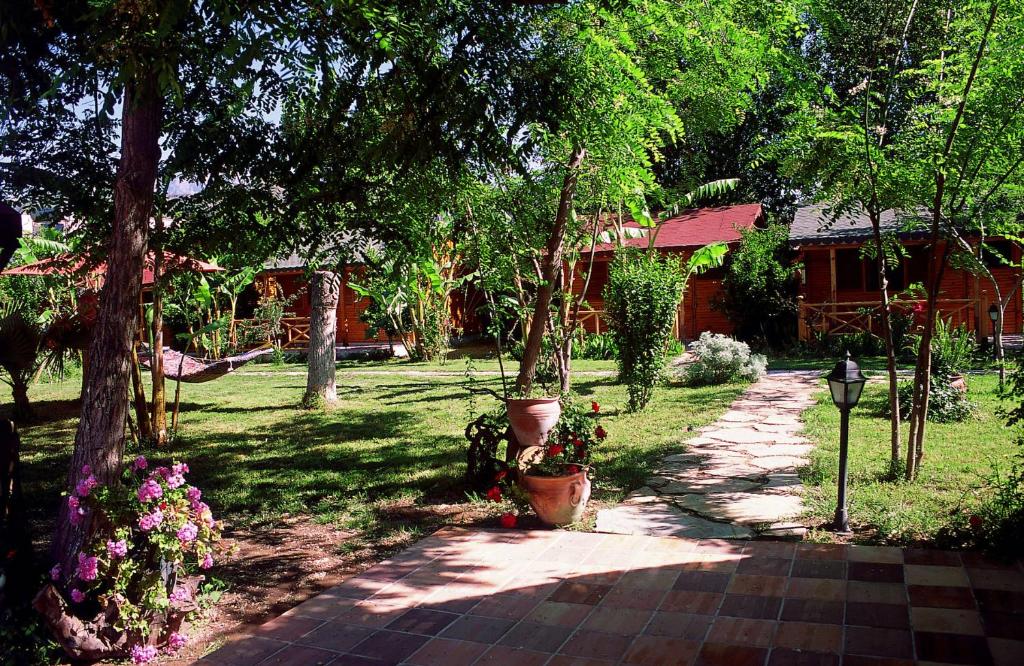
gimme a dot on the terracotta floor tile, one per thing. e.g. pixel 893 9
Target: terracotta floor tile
pixel 720 546
pixel 875 572
pixel 875 642
pixel 422 621
pixel 244 651
pixel 652 579
pixel 301 655
pixel 1001 601
pixel 502 655
pixel 336 636
pixel 323 607
pixel 445 652
pixel 596 575
pixel 783 549
pixel 679 625
pixel 785 657
pixel 821 551
pixel 1003 625
pixel 813 610
pixel 765 566
pixel 1006 652
pixel 580 593
pixel 389 645
pixel 714 654
pixel 625 621
pixel 751 606
pixel 935 596
pixel 942 558
pixel 819 568
pixel 996 579
pixel 685 601
pixel 699 581
pixel 477 628
pixel 287 628
pixel 596 645
pixel 946 620
pixel 868 614
pixel 369 614
pixel 559 614
pixel 662 651
pixel 922 574
pixel 952 648
pixel 862 660
pixel 637 598
pixel 356 660
pixel 539 637
pixel 711 562
pixel 566 660
pixel 879 593
pixel 506 606
pixel 741 631
pixel 809 636
pixel 982 561
pixel 877 554
pixel 816 588
pixel 761 586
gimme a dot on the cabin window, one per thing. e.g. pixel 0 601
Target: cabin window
pixel 849 273
pixel 894 276
pixel 998 254
pixel 916 264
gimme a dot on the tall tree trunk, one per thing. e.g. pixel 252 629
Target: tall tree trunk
pixel 895 459
pixel 549 271
pixel 156 364
pixel 323 326
pixel 99 441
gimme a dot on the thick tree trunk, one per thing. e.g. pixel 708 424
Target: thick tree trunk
pixel 325 288
pixel 99 441
pixel 549 271
pixel 895 459
pixel 156 365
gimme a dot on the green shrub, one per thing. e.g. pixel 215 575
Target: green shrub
pixel 596 347
pixel 953 349
pixel 997 524
pixel 946 404
pixel 721 359
pixel 641 298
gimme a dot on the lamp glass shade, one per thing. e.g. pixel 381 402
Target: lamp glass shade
pixel 993 312
pixel 845 383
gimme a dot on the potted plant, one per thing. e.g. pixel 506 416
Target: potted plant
pixel 532 418
pixel 556 481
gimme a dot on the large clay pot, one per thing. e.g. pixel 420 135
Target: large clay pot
pixel 532 419
pixel 557 500
pixel 959 383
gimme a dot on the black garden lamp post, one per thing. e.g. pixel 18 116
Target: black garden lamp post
pixel 993 314
pixel 845 382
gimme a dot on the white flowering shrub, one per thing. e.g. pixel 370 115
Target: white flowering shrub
pixel 721 359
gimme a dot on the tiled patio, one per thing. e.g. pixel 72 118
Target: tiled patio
pixel 568 598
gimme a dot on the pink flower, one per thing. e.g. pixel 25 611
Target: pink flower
pixel 207 562
pixel 149 490
pixel 179 468
pixel 88 567
pixel 151 520
pixel 143 654
pixel 188 533
pixel 180 594
pixel 175 480
pixel 86 470
pixel 55 572
pixel 176 641
pixel 77 596
pixel 86 485
pixel 117 548
pixel 140 463
pixel 194 494
pixel 73 502
pixel 161 471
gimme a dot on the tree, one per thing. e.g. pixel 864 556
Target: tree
pixel 323 324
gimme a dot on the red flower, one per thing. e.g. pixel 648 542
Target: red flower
pixel 975 521
pixel 919 307
pixel 555 449
pixel 600 433
pixel 11 553
pixel 576 441
pixel 573 469
pixel 594 406
pixel 508 520
pixel 494 494
pixel 500 475
pixel 163 506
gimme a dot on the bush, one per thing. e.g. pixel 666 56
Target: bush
pixel 721 359
pixel 946 404
pixel 760 288
pixel 596 347
pixel 953 349
pixel 997 524
pixel 641 298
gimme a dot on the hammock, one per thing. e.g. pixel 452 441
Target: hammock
pixel 197 371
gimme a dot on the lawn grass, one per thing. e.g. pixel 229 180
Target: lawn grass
pixel 958 458
pixel 397 436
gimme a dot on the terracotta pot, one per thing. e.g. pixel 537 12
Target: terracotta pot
pixel 557 500
pixel 958 382
pixel 532 419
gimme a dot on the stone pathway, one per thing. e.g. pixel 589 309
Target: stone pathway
pixel 737 478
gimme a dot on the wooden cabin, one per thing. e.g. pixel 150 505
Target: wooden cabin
pixel 680 235
pixel 838 291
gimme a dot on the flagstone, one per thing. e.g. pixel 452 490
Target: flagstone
pixel 743 508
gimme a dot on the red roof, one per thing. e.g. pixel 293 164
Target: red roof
pixel 698 227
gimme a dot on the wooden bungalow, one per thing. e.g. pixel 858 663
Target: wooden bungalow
pixel 838 291
pixel 680 235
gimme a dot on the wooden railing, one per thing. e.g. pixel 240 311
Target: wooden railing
pixel 597 317
pixel 865 316
pixel 294 331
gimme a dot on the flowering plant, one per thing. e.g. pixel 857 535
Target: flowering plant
pixel 141 568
